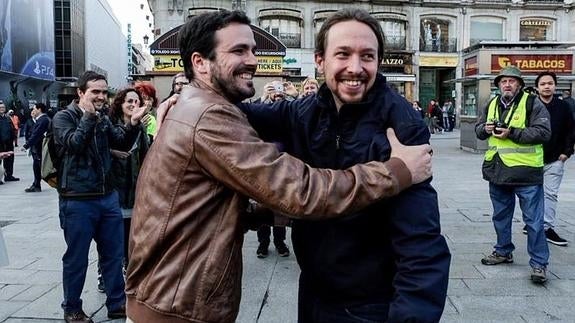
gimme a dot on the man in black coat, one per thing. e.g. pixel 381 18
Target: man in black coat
pixel 7 143
pixel 34 143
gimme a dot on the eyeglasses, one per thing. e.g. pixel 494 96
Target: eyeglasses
pixel 182 83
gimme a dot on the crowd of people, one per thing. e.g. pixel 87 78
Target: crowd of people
pixel 166 190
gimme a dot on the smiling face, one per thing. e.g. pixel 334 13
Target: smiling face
pixel 96 93
pixel 232 70
pixel 350 62
pixel 131 101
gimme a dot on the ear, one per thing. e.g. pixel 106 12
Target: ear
pixel 200 64
pixel 319 61
pixel 79 92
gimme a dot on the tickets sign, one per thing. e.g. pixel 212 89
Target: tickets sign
pixel 470 66
pixel 534 64
pixel 270 65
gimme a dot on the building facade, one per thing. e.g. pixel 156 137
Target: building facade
pixel 424 39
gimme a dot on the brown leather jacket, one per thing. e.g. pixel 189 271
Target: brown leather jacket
pixel 186 239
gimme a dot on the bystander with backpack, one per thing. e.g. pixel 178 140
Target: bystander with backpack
pixel 34 143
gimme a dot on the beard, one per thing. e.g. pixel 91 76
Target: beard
pixel 229 85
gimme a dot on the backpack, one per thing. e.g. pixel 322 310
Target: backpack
pixel 50 159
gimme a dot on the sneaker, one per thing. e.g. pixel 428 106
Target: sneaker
pixel 262 251
pixel 554 238
pixel 118 314
pixel 77 317
pixel 495 259
pixel 538 275
pixel 11 179
pixel 101 286
pixel 1 183
pixel 33 189
pixel 524 230
pixel 282 249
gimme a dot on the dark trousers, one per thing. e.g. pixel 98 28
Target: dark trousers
pixel 311 309
pixel 36 167
pixel 264 233
pixel 83 220
pixel 9 161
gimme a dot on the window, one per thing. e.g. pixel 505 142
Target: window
pixel 286 29
pixel 536 29
pixel 469 108
pixel 486 28
pixel 435 36
pixel 394 31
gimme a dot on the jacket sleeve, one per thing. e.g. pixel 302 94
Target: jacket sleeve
pixel 273 122
pixel 422 254
pixel 538 131
pixel 38 132
pixel 228 149
pixel 121 136
pixel 480 126
pixel 74 136
pixel 570 133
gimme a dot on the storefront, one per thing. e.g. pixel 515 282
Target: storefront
pixel 167 61
pixel 398 70
pixel 481 63
pixel 434 72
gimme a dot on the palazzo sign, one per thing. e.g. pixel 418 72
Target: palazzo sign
pixel 534 64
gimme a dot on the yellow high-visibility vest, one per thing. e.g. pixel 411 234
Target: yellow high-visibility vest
pixel 511 153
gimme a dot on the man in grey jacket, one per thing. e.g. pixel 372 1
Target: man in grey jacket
pixel 516 125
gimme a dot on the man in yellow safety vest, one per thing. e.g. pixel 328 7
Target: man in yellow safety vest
pixel 516 125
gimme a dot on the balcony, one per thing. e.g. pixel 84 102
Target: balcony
pixel 290 40
pixel 446 45
pixel 395 43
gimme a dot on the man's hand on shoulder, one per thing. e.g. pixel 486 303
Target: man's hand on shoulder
pixel 416 158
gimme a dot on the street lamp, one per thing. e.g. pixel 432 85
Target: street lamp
pixel 146 38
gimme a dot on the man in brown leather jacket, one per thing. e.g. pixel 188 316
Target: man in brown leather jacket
pixel 186 239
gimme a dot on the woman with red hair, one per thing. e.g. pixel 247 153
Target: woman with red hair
pixel 148 93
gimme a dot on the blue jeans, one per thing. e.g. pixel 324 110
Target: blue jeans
pixel 311 309
pixel 83 220
pixel 531 203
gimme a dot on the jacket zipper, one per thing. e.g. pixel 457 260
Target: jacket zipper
pixel 100 159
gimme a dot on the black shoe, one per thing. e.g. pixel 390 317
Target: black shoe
pixel 77 317
pixel 554 238
pixel 1 183
pixel 11 179
pixel 118 314
pixel 262 251
pixel 524 230
pixel 101 286
pixel 33 189
pixel 282 249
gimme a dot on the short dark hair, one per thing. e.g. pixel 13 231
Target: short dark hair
pixel 359 15
pixel 546 73
pixel 198 35
pixel 89 76
pixel 41 106
pixel 116 113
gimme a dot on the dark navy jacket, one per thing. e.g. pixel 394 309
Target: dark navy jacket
pixel 390 252
pixel 36 137
pixel 84 171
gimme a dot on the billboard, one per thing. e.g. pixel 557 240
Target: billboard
pixel 534 63
pixel 27 38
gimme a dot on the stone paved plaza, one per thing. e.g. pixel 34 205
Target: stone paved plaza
pixel 31 288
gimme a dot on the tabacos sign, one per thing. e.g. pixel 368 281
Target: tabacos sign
pixel 533 64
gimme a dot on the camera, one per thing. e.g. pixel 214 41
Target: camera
pixel 279 88
pixel 498 124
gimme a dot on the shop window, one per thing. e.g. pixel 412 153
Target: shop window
pixel 532 29
pixel 486 28
pixel 436 36
pixel 394 31
pixel 286 29
pixel 469 108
